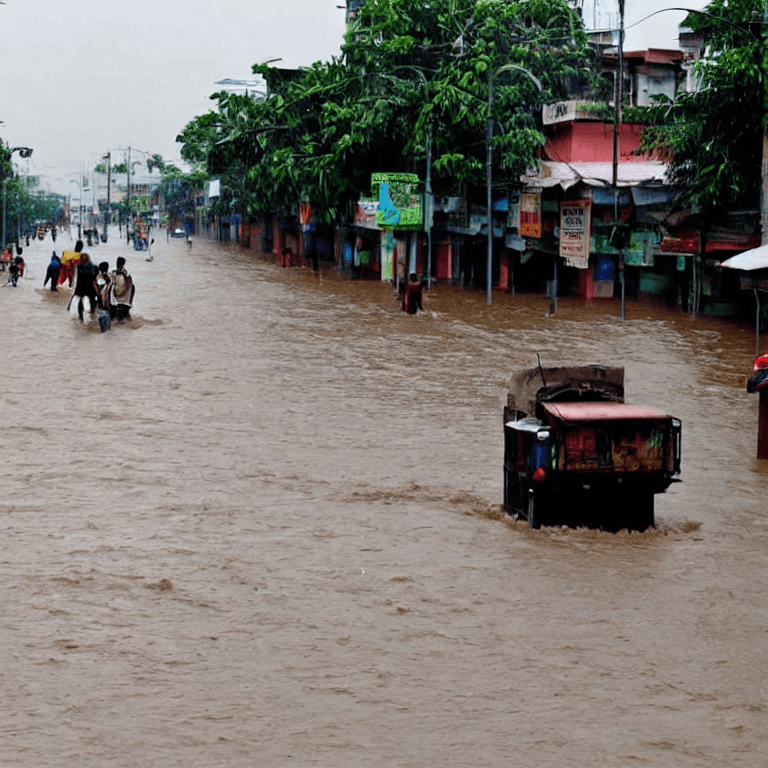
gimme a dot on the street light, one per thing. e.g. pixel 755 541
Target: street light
pixel 617 99
pixel 23 152
pixel 489 165
pixel 108 214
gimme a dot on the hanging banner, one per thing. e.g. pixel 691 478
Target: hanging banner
pixel 530 214
pixel 574 232
pixel 307 217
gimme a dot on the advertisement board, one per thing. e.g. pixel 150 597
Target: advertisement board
pixel 574 232
pixel 530 214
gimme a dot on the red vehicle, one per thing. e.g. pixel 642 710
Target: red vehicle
pixel 759 378
pixel 576 453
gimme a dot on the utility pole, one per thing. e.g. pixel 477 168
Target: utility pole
pixel 489 167
pixel 128 213
pixel 82 207
pixel 23 152
pixel 764 173
pixel 108 213
pixel 618 98
pixel 129 181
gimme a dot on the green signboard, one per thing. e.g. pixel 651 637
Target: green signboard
pixel 400 201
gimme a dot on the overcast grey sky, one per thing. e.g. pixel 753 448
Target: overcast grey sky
pixel 82 77
pixel 659 31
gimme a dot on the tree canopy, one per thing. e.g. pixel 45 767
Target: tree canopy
pixel 714 135
pixel 411 73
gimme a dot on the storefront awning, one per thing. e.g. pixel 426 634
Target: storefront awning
pixel 749 261
pixel 566 175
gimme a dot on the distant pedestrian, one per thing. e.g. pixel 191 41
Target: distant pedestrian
pixel 53 272
pixel 103 285
pixel 13 273
pixel 122 292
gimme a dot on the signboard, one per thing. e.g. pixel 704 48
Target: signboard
pixel 749 282
pixel 530 214
pixel 400 201
pixel 365 214
pixel 574 232
pixel 559 112
pixel 639 251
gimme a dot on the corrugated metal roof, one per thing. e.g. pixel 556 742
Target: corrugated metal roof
pixel 565 175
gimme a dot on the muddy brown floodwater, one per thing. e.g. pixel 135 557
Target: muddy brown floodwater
pixel 260 525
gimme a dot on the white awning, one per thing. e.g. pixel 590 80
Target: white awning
pixel 565 175
pixel 749 261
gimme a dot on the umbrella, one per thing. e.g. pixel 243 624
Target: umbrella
pixel 750 261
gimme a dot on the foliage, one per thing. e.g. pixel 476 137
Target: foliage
pixel 26 204
pixel 178 188
pixel 714 135
pixel 410 72
pixel 6 168
pixel 155 161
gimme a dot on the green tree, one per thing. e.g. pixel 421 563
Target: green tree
pixel 410 71
pixel 713 136
pixel 155 161
pixel 178 189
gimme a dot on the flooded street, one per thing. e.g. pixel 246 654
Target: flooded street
pixel 260 525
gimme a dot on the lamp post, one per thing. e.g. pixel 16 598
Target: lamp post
pixel 618 97
pixel 489 166
pixel 108 212
pixel 23 152
pixel 428 181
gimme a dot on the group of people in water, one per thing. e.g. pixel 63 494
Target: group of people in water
pixel 15 264
pixel 95 289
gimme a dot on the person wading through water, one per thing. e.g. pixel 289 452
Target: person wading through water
pixel 103 286
pixel 53 272
pixel 123 291
pixel 85 274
